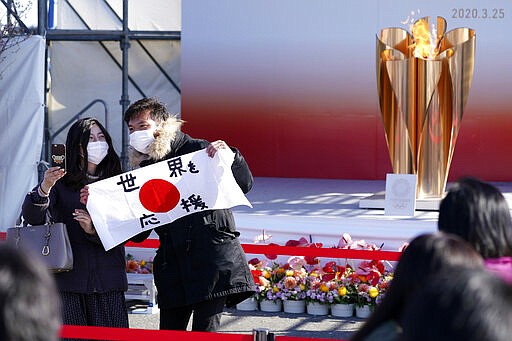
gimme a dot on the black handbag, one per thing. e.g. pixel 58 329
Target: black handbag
pixel 49 242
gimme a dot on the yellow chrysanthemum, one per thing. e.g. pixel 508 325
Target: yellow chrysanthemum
pixel 289 273
pixel 302 287
pixel 142 262
pixel 324 288
pixel 275 289
pixel 342 291
pixel 373 292
pixel 266 274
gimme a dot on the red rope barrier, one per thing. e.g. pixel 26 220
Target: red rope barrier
pixel 295 338
pixel 148 243
pixel 130 334
pixel 290 250
pixel 321 252
pixel 299 251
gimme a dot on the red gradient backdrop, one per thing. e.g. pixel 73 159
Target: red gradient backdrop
pixel 293 85
pixel 346 145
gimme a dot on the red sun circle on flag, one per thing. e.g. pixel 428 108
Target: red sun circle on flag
pixel 158 195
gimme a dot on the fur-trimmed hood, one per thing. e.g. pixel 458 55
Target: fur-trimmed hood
pixel 161 146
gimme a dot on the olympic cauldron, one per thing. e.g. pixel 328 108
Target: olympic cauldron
pixel 423 81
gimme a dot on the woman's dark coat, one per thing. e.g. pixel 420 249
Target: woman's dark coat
pixel 94 269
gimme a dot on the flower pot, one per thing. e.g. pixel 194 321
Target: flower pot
pixel 271 306
pixel 342 310
pixel 315 308
pixel 294 307
pixel 248 304
pixel 364 311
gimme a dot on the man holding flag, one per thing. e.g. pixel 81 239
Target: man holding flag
pixel 200 265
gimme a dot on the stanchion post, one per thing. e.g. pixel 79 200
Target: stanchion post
pixel 262 334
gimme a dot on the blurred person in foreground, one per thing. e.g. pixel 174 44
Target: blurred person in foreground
pixel 29 301
pixel 469 305
pixel 426 256
pixel 479 213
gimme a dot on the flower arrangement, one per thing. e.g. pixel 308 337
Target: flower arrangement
pixel 319 290
pixel 366 295
pixel 294 283
pixel 135 266
pixel 344 292
pixel 305 278
pixel 383 286
pixel 266 277
pixel 371 281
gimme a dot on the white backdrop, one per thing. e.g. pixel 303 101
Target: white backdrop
pixel 22 117
pixel 83 71
pixel 80 72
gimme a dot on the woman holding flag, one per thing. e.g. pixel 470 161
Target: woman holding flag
pixel 92 292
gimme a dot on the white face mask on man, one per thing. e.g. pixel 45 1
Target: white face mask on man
pixel 142 139
pixel 96 151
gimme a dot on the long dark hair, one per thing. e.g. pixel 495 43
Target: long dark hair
pixel 425 256
pixel 76 154
pixel 478 212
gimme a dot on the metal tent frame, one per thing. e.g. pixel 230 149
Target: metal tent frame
pixel 124 37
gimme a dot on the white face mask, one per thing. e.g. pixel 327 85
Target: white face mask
pixel 96 151
pixel 142 139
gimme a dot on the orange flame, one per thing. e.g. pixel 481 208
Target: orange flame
pixel 424 44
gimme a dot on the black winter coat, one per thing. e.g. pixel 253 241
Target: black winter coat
pixel 94 269
pixel 200 257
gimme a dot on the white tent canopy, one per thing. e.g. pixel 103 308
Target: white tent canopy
pixel 80 73
pixel 83 71
pixel 22 116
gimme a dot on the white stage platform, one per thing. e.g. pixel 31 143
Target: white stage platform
pixel 323 210
pixel 319 210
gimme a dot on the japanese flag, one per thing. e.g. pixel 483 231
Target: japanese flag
pixel 128 204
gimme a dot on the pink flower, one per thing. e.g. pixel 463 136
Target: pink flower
pixel 345 241
pixel 296 262
pixel 314 282
pixel 363 287
pixel 384 285
pixel 290 282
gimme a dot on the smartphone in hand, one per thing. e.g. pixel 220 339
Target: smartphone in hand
pixel 58 156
